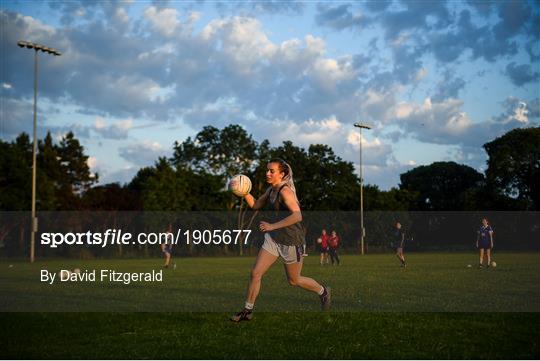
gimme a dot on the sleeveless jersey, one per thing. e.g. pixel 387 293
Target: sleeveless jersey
pixel 293 235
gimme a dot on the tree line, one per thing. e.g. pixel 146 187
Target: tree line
pixel 195 177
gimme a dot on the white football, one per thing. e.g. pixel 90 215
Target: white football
pixel 240 185
pixel 493 264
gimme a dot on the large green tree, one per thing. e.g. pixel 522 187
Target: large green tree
pixel 62 175
pixel 514 166
pixel 224 152
pixel 165 190
pixel 441 186
pixel 74 163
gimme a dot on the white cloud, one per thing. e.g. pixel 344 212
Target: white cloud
pixel 160 94
pixel 353 138
pixel 143 153
pixel 122 15
pixel 521 113
pixel 377 105
pixel 242 40
pixel 433 121
pixel 92 163
pixel 36 30
pixel 403 110
pixel 164 20
pixel 117 130
pixel 124 175
pixel 329 131
pixel 194 16
pixel 328 72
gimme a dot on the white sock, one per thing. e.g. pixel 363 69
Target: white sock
pixel 321 291
pixel 248 306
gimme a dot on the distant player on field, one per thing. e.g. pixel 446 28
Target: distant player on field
pixel 166 248
pixel 333 245
pixel 283 238
pixel 399 242
pixel 323 247
pixel 484 242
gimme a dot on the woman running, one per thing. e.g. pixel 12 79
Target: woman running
pixel 283 238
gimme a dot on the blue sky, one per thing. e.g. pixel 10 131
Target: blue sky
pixel 435 79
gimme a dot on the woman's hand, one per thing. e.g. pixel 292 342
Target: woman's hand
pixel 265 226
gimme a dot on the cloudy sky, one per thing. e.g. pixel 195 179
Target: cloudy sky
pixel 434 79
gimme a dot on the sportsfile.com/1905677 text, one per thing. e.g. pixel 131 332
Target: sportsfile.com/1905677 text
pixel 117 236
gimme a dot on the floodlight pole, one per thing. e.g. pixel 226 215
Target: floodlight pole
pixel 362 229
pixel 34 223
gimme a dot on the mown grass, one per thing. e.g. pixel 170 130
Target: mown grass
pixel 436 308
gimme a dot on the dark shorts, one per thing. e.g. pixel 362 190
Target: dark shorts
pixel 167 249
pixel 323 249
pixel 484 245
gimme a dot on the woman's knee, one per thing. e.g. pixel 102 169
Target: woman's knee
pixel 293 281
pixel 256 274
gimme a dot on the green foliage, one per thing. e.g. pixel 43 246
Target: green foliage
pixel 165 190
pixel 74 164
pixel 514 166
pixel 441 185
pixel 62 174
pixel 50 176
pixel 195 177
pixel 16 174
pixel 223 152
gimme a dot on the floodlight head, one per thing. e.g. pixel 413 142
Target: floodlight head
pixel 360 125
pixel 38 47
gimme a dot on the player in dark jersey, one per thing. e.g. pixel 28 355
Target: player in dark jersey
pixel 399 243
pixel 283 238
pixel 484 242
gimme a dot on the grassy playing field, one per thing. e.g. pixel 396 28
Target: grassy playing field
pixel 436 308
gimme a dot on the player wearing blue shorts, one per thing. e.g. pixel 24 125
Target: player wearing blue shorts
pixel 283 238
pixel 484 242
